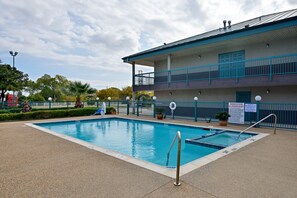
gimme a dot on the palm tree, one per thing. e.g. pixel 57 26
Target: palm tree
pixel 78 89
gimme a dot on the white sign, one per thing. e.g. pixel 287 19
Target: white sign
pixel 236 111
pixel 250 107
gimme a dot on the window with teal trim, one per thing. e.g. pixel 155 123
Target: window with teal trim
pixel 230 65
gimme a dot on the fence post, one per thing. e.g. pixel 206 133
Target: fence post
pixel 97 101
pixel 258 114
pixel 154 106
pixel 137 108
pixel 128 103
pixel 195 107
pixel 258 99
pixel 109 98
pixel 49 102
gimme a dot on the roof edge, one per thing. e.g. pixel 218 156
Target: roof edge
pixel 127 59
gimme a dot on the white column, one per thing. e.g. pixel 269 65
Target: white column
pixel 169 67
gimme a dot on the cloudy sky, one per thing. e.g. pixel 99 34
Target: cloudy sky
pixel 86 39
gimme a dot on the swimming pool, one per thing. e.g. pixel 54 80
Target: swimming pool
pixel 148 141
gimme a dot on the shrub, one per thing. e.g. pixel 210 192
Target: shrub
pixel 109 110
pixel 159 110
pixel 44 114
pixel 18 110
pixel 224 116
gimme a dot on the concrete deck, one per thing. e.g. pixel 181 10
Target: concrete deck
pixel 37 164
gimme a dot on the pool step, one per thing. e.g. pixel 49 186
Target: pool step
pixel 211 145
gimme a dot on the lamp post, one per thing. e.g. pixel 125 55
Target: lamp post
pixel 50 102
pixel 97 100
pixel 13 54
pixel 258 99
pixel 195 108
pixel 109 98
pixel 128 103
pixel 154 103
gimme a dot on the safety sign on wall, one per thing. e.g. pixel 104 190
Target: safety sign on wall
pixel 236 111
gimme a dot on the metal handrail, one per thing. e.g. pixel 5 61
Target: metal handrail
pixel 177 136
pixel 259 65
pixel 275 120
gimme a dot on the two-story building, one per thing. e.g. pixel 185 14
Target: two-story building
pixel 235 62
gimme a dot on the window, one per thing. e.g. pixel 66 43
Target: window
pixel 231 64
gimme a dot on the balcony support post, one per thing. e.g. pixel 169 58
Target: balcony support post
pixel 169 69
pixel 270 69
pixel 187 77
pixel 209 77
pixel 133 84
pixel 133 75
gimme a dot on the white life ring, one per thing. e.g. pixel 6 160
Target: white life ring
pixel 172 106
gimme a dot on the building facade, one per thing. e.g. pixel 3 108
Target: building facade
pixel 232 63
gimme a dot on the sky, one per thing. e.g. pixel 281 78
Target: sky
pixel 85 39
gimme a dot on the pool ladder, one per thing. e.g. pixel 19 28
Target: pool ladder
pixel 275 120
pixel 177 136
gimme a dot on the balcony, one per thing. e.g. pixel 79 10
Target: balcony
pixel 265 71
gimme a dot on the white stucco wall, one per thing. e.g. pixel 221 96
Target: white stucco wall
pixel 253 50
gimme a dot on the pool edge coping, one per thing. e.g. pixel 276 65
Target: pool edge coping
pixel 169 172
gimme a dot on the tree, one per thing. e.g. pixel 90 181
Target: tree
pixel 11 79
pixel 31 87
pixel 36 97
pixel 144 95
pixel 53 87
pixel 78 89
pixel 112 92
pixel 126 91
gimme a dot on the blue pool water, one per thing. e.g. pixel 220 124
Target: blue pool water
pixel 145 140
pixel 226 139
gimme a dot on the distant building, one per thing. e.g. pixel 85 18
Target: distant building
pixel 12 100
pixel 235 62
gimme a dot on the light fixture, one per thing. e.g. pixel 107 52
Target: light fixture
pixel 258 98
pixel 199 92
pixel 196 98
pixel 267 45
pixel 50 99
pixel 127 98
pixel 97 98
pixel 13 54
pixel 154 98
pixel 267 91
pixel 109 98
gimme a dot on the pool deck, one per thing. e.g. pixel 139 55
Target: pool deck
pixel 37 164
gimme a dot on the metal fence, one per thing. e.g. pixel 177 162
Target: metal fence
pixel 190 110
pixel 206 111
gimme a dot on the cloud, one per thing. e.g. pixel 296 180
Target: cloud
pixel 94 35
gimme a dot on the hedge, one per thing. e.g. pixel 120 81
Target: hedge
pixel 18 110
pixel 44 114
